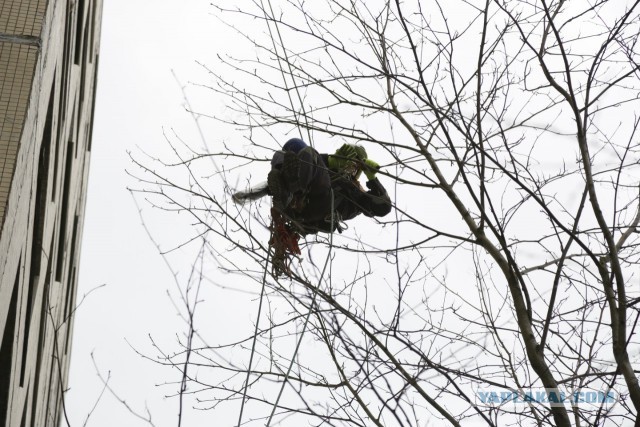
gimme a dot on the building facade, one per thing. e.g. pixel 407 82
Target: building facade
pixel 48 69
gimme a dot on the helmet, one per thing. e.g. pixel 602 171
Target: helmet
pixel 294 144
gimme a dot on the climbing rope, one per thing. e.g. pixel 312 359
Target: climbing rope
pixel 288 242
pixel 306 320
pixel 288 62
pixel 284 240
pixel 255 338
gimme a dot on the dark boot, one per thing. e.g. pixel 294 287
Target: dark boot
pixel 277 189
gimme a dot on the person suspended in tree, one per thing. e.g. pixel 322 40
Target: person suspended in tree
pixel 315 192
pixel 301 180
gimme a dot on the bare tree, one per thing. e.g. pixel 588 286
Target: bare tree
pixel 507 131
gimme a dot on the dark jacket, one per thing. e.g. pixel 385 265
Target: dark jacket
pixel 349 200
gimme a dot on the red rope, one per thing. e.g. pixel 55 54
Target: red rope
pixel 284 241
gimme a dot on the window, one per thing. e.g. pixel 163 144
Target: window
pixel 65 212
pixel 6 349
pixel 79 25
pixel 38 224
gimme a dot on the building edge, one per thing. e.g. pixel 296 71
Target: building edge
pixel 48 49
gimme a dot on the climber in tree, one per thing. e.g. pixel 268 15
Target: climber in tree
pixel 301 182
pixel 314 193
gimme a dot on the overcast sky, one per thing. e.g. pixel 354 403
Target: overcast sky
pixel 144 46
pixel 137 97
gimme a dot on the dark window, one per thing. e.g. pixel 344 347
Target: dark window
pixel 66 62
pixel 93 30
pixel 44 317
pixel 65 211
pixel 6 350
pixel 83 82
pixel 71 280
pixel 93 103
pixel 42 187
pixel 38 224
pixel 54 186
pixel 79 25
pixel 64 94
pixel 71 291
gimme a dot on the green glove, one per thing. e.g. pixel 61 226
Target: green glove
pixel 370 169
pixel 347 150
pixel 344 155
pixel 336 163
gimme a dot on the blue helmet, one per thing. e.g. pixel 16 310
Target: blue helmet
pixel 294 144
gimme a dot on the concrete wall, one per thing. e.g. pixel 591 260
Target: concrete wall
pixel 48 68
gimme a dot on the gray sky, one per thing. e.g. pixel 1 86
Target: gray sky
pixel 141 43
pixel 138 99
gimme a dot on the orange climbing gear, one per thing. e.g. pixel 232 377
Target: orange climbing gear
pixel 284 240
